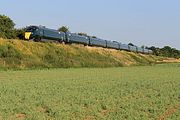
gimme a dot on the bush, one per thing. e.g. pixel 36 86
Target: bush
pixel 6 27
pixel 9 51
pixel 20 33
pixel 166 51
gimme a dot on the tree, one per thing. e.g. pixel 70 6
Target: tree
pixel 82 34
pixel 143 46
pixel 64 29
pixel 94 37
pixel 2 35
pixel 20 33
pixel 166 51
pixel 6 27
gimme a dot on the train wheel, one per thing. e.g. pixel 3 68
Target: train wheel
pixel 37 39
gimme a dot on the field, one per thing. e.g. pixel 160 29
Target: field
pixel 126 93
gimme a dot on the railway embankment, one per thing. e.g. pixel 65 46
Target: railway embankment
pixel 23 54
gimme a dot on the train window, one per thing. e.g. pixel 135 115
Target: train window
pixel 41 32
pixel 31 29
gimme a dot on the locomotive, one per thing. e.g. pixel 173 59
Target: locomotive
pixel 41 33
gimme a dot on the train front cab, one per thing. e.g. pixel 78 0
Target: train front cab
pixel 31 32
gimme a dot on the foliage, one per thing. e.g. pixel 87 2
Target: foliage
pixel 141 93
pixel 143 47
pixel 94 37
pixel 20 33
pixel 7 51
pixel 64 29
pixel 23 54
pixel 6 27
pixel 83 34
pixel 166 51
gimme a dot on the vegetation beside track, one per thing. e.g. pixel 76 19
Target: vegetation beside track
pixel 23 54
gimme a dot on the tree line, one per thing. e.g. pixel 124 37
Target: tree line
pixel 8 31
pixel 166 51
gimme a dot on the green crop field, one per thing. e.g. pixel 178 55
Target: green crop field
pixel 126 93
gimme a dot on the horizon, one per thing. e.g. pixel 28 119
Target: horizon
pixel 149 23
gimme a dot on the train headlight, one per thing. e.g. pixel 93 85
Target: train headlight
pixel 27 35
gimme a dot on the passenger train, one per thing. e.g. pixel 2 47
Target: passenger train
pixel 40 33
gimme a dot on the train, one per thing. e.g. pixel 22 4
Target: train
pixel 41 33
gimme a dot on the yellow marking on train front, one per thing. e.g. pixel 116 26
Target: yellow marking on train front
pixel 27 35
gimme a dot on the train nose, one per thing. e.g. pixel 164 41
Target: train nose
pixel 27 35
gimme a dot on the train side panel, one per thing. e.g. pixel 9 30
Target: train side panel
pixel 97 42
pixel 139 49
pixel 133 48
pixel 150 51
pixel 53 35
pixel 112 44
pixel 146 51
pixel 124 47
pixel 75 38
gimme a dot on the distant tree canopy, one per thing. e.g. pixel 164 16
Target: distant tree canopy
pixel 143 46
pixel 83 34
pixel 6 27
pixel 93 36
pixel 64 29
pixel 166 51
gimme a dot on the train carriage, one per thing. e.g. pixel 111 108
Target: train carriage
pixel 133 48
pixel 75 38
pixel 53 35
pixel 146 51
pixel 40 33
pixel 140 50
pixel 97 42
pixel 113 44
pixel 124 47
pixel 150 51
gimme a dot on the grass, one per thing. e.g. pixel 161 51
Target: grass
pixel 18 54
pixel 141 93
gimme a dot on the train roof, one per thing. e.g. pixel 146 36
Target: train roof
pixel 40 27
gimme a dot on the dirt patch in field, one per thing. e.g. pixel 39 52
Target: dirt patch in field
pixel 169 112
pixel 20 116
pixel 89 118
pixel 171 60
pixel 105 112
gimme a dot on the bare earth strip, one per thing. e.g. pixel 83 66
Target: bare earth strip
pixel 169 112
pixel 171 60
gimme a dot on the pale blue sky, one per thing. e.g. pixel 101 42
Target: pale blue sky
pixel 142 22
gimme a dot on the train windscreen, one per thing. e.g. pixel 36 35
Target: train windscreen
pixel 31 29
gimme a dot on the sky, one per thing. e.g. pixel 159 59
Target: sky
pixel 141 22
